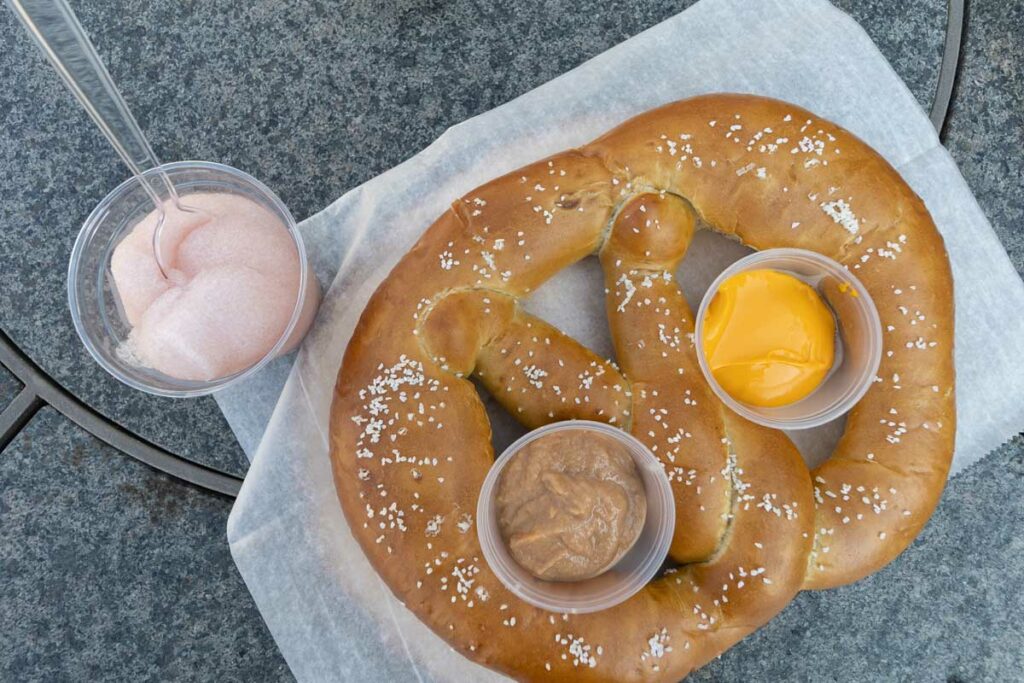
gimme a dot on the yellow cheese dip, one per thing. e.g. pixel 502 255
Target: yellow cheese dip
pixel 768 338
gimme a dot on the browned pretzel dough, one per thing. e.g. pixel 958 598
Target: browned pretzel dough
pixel 410 442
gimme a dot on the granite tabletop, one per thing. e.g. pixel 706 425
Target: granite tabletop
pixel 112 570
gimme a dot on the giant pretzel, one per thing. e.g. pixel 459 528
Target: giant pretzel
pixel 411 443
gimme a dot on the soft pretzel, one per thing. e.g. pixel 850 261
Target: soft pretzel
pixel 411 443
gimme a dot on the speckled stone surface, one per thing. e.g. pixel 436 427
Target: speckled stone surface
pixel 110 568
pixel 313 98
pixel 9 387
pixel 111 571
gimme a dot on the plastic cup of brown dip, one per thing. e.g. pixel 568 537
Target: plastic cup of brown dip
pixel 575 517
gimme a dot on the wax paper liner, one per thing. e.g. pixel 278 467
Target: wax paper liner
pixel 329 612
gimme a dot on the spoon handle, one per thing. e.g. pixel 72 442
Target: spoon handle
pixel 61 38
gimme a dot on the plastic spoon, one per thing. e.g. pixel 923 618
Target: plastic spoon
pixel 61 38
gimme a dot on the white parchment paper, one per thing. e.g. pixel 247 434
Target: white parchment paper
pixel 330 614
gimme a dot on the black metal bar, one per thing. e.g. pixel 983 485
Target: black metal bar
pixel 17 413
pixel 45 389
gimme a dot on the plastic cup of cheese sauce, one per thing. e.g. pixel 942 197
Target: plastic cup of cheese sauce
pixel 857 344
pixel 619 582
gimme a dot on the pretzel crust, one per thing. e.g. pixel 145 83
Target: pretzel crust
pixel 411 443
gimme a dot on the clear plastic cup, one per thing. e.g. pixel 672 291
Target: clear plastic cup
pixel 625 577
pixel 858 341
pixel 95 308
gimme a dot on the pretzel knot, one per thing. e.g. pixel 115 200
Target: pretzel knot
pixel 411 443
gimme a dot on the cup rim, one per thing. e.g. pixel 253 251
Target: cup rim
pixel 648 566
pixel 850 398
pixel 193 388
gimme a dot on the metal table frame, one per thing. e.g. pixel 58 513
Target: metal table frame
pixel 40 389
